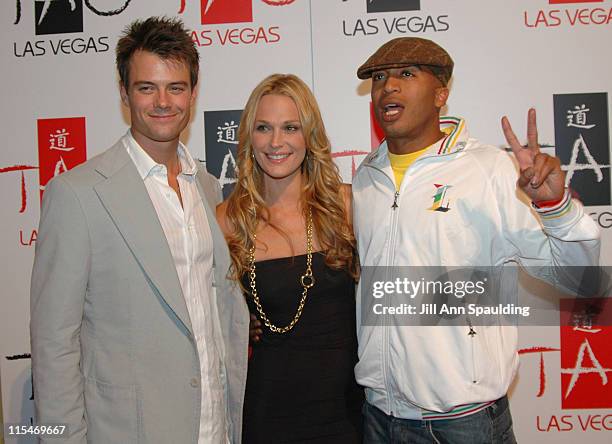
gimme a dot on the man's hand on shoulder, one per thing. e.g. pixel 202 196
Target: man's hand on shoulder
pixel 541 177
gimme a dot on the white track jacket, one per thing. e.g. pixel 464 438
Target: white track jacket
pixel 407 370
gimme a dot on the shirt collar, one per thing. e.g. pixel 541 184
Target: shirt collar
pixel 147 166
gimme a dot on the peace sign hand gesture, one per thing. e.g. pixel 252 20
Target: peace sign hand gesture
pixel 541 177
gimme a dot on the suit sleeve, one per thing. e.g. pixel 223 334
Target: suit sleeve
pixel 57 295
pixel 553 243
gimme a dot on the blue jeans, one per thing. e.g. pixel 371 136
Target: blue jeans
pixel 492 425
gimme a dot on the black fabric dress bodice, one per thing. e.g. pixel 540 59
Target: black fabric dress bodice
pixel 301 385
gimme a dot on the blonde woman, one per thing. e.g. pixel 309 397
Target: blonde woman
pixel 288 226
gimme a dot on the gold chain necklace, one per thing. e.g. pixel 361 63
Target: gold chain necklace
pixel 307 280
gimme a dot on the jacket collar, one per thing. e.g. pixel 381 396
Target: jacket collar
pixel 454 128
pixel 455 141
pixel 114 160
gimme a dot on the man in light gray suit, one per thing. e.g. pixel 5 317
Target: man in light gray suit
pixel 137 335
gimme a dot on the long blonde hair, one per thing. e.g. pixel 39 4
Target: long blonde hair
pixel 321 183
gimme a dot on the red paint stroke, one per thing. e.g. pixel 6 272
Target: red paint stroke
pixel 24 195
pixel 278 2
pixel 542 377
pixel 350 153
pixel 17 168
pixel 524 351
pixel 22 168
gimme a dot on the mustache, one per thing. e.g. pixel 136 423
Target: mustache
pixel 162 112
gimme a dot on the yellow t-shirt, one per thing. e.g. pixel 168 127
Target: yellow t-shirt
pixel 401 162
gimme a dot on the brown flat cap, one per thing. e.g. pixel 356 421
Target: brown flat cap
pixel 406 51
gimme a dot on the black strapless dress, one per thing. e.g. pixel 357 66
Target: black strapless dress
pixel 301 385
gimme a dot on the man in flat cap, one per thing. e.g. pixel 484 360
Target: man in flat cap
pixel 445 199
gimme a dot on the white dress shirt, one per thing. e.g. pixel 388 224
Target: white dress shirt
pixel 190 240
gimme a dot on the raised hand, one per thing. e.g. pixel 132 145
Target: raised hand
pixel 541 177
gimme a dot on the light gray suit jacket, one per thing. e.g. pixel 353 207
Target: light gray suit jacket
pixel 113 353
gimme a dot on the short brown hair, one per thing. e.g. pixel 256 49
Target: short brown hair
pixel 162 36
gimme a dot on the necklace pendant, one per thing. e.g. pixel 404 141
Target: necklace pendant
pixel 307 280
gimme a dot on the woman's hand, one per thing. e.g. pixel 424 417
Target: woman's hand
pixel 255 331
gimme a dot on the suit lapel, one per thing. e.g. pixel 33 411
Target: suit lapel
pixel 126 200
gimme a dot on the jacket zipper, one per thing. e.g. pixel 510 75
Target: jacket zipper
pixel 386 370
pixel 390 257
pixel 472 333
pixel 385 328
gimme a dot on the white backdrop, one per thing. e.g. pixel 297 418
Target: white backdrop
pixel 58 63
